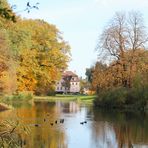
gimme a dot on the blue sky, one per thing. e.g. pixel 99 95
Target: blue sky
pixel 81 22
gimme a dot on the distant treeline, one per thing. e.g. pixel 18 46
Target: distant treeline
pixel 33 54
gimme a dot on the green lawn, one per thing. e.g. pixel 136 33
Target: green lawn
pixel 84 98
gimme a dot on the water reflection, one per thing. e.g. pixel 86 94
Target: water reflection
pixel 121 129
pixel 71 107
pixel 104 129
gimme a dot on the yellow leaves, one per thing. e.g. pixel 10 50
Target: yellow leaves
pixel 40 53
pixel 26 77
pixel 26 82
pixel 130 71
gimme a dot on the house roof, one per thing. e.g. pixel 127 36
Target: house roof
pixel 69 73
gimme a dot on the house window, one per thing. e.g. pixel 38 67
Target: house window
pixel 57 88
pixel 61 88
pixel 72 83
pixel 76 83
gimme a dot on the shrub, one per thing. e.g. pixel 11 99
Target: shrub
pixel 123 97
pixel 113 97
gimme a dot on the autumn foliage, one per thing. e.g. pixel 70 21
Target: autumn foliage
pixel 120 77
pixel 33 54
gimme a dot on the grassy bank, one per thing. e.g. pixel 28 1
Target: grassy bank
pixel 21 96
pixel 84 98
pixel 26 96
pixel 8 101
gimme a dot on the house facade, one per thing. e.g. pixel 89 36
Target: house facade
pixel 69 83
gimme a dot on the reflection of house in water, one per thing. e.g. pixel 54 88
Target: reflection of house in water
pixel 70 107
pixel 69 83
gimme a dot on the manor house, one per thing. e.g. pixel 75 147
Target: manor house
pixel 69 83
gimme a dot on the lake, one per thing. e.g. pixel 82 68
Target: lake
pixel 102 129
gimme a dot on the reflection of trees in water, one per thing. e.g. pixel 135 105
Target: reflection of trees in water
pixel 47 135
pixel 43 135
pixel 126 129
pixel 133 131
pixel 103 135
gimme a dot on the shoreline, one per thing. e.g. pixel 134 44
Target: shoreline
pixel 4 107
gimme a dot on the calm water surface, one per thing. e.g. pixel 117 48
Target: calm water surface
pixel 104 129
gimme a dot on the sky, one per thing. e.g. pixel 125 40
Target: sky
pixel 81 22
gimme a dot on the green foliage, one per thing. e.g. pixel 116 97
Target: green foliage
pixel 88 74
pixel 123 98
pixel 112 98
pixel 20 96
pixel 137 97
pixel 79 98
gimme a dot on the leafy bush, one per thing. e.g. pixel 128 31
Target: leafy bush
pixel 123 97
pixel 137 97
pixel 112 98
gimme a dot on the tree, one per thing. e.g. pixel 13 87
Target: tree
pixel 124 34
pixel 41 55
pixel 88 74
pixel 99 77
pixel 52 54
pixel 7 71
pixel 33 53
pixel 6 11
